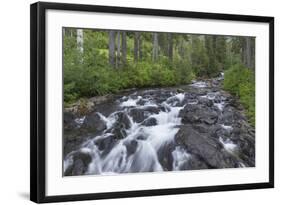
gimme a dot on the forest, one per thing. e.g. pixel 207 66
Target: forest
pixel 100 62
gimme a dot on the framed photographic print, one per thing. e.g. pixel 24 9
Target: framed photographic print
pixel 129 102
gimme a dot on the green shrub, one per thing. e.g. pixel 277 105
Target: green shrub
pixel 82 79
pixel 89 74
pixel 240 81
pixel 183 71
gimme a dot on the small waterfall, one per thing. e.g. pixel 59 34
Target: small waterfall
pixel 137 151
pixel 180 157
pixel 139 135
pixel 228 145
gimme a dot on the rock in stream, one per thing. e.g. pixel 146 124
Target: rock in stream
pixel 191 127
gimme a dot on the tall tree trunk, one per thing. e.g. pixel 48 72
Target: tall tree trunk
pixel 124 48
pixel 136 46
pixel 80 40
pixel 214 47
pixel 181 48
pixel 140 47
pixel 191 52
pixel 170 46
pixel 155 47
pixel 229 53
pixel 243 51
pixel 253 54
pixel 248 55
pixel 118 59
pixel 111 48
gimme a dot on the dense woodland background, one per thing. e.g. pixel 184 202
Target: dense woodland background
pixel 98 62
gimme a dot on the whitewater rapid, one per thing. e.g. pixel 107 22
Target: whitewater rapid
pixel 140 144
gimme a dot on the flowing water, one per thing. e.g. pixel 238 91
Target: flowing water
pixel 140 135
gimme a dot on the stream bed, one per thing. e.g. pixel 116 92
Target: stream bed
pixel 191 127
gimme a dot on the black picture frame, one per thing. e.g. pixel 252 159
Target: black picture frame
pixel 38 100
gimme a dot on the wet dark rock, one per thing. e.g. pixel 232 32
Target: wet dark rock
pixel 246 146
pixel 165 156
pixel 152 109
pixel 251 131
pixel 94 122
pixel 199 144
pixel 141 102
pixel 220 132
pixel 131 146
pixel 107 108
pixel 202 128
pixel 194 163
pixel 141 137
pixel 192 101
pixel 210 119
pixel 106 144
pixel 233 102
pixel 161 97
pixel 78 167
pixel 138 115
pixel 81 160
pixel 72 141
pixel 236 130
pixel 230 117
pixel 215 89
pixel 69 121
pixel 207 148
pixel 164 108
pixel 118 131
pixel 123 119
pixel 206 101
pixel 198 113
pixel 149 122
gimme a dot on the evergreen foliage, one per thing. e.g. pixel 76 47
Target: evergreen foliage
pixel 109 61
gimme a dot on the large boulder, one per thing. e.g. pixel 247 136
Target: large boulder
pixel 72 140
pixel 205 101
pixel 122 118
pixel 161 96
pixel 149 122
pixel 246 146
pixel 137 115
pixel 193 163
pixel 151 109
pixel 218 131
pixel 131 146
pixel 94 122
pixel 118 129
pixel 80 163
pixel 197 114
pixel 165 155
pixel 202 128
pixel 105 144
pixel 209 149
pixel 69 121
pixel 231 116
